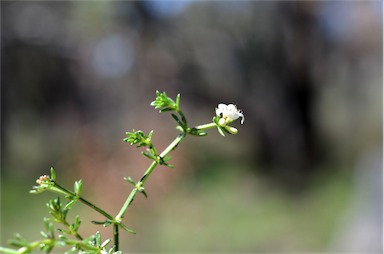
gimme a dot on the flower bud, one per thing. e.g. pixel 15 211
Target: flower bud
pixel 222 122
pixel 231 129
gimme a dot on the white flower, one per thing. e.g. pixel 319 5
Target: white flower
pixel 228 113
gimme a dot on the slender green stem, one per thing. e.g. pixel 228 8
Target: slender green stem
pixel 146 174
pixel 166 151
pixel 116 236
pixel 205 126
pixel 99 210
pixel 183 119
pixel 94 207
pixel 173 145
pixel 81 244
pixel 52 242
pixel 130 198
pixel 8 250
pixel 150 169
pixel 133 193
pixel 74 233
pixel 128 201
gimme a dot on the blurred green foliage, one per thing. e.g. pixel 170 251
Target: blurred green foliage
pixel 228 211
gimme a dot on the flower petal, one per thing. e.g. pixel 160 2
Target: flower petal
pixel 228 113
pixel 240 114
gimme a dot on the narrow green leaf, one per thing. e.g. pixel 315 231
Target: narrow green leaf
pixel 98 238
pixel 220 131
pixel 53 174
pixel 177 119
pixel 179 128
pixel 105 243
pixel 166 109
pixel 62 237
pixel 46 247
pixel 76 223
pixel 150 135
pixel 78 186
pixel 98 222
pixel 178 101
pixel 43 234
pixel 163 161
pixel 18 241
pixel 202 133
pixel 169 165
pixel 48 225
pixel 16 244
pixel 144 193
pixel 127 229
pixel 197 132
pixel 62 243
pixel 167 158
pixel 149 156
pixel 107 223
pixel 130 180
pixel 225 129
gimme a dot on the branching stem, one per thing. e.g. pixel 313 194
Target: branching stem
pixel 150 169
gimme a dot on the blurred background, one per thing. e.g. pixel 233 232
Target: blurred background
pixel 304 173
